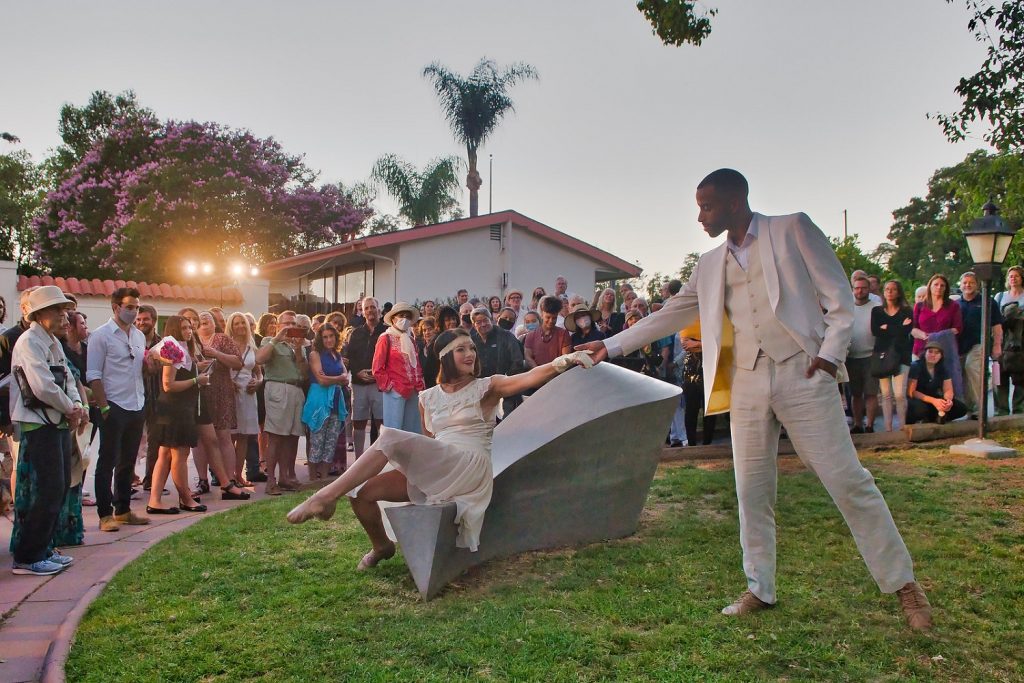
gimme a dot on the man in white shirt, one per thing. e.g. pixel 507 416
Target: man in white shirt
pixel 863 387
pixel 117 350
pixel 41 372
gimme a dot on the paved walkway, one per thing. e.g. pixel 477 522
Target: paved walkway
pixel 40 614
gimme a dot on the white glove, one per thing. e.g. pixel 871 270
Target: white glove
pixel 563 363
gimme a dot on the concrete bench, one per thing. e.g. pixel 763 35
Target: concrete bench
pixel 572 465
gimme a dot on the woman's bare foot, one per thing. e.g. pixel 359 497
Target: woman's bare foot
pixel 314 506
pixel 371 558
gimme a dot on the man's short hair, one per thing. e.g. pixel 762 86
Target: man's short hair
pixel 726 180
pixel 146 308
pixel 462 291
pixel 370 298
pixel 288 312
pixel 860 278
pixel 674 286
pixel 121 292
pixel 550 304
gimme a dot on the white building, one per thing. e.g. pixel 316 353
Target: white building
pixel 485 255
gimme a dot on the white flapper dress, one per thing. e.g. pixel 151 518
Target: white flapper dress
pixel 455 465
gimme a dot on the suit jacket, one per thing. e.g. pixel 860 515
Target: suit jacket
pixel 808 289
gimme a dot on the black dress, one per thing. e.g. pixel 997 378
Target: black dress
pixel 177 412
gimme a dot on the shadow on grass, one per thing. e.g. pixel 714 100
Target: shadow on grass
pixel 244 596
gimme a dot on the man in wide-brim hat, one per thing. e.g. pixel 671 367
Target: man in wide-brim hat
pixel 46 407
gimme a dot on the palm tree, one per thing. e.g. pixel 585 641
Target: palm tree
pixel 474 106
pixel 424 196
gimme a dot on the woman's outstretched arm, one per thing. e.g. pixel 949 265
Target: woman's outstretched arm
pixel 503 386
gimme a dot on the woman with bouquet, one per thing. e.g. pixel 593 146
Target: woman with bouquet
pixel 176 412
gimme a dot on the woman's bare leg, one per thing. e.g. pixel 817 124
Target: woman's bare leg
pixel 392 487
pixel 211 445
pixel 322 503
pixel 160 470
pixel 201 460
pixel 241 450
pixel 179 474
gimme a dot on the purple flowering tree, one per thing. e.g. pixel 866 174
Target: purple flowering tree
pixel 151 195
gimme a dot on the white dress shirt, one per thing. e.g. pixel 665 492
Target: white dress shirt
pixel 742 251
pixel 35 351
pixel 116 359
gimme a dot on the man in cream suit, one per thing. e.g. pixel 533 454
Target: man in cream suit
pixel 776 312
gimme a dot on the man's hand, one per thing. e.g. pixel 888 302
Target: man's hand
pixel 597 349
pixel 365 376
pixel 820 363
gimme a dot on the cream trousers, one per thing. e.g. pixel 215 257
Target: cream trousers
pixel 775 394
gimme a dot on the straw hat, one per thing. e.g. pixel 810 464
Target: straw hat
pixel 579 309
pixel 44 297
pixel 402 307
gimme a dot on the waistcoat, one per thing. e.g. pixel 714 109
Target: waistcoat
pixel 755 327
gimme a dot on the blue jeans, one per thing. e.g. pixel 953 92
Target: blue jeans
pixel 402 413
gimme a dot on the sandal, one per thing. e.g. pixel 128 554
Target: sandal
pixel 202 487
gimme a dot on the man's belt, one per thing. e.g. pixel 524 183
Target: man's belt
pixel 292 382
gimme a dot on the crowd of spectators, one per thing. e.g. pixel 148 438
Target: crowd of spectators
pixel 236 394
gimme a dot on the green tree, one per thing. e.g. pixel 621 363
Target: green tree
pixel 676 22
pixel 852 257
pixel 424 197
pixel 995 94
pixel 81 128
pixel 474 105
pixel 927 234
pixel 21 194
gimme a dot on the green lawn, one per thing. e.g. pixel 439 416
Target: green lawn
pixel 244 596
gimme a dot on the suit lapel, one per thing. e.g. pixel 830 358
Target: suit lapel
pixel 767 253
pixel 711 292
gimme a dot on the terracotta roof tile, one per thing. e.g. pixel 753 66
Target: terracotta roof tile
pixel 148 290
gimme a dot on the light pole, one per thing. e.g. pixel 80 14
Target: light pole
pixel 988 239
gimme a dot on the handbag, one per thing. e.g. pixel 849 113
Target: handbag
pixel 885 363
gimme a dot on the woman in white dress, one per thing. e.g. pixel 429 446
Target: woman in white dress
pixel 450 462
pixel 247 380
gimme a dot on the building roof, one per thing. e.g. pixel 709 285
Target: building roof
pixel 96 287
pixel 451 227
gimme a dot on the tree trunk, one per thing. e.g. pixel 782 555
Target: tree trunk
pixel 473 183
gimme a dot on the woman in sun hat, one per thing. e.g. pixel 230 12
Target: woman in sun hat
pixel 397 369
pixel 581 321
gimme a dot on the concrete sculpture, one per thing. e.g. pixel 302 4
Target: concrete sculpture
pixel 572 465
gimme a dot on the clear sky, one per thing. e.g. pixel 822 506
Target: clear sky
pixel 821 103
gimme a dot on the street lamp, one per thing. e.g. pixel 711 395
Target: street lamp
pixel 988 239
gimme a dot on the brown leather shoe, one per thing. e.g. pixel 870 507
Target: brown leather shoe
pixel 131 519
pixel 747 603
pixel 915 606
pixel 109 524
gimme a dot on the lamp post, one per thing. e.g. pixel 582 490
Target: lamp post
pixel 988 239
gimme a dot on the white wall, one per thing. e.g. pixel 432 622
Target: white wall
pixel 536 262
pixel 9 291
pixel 437 268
